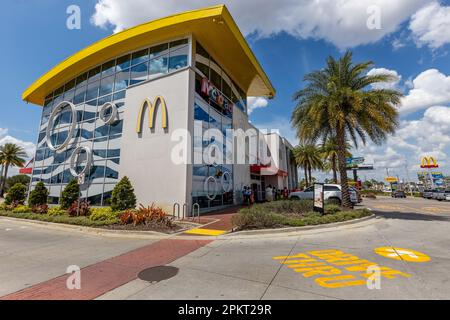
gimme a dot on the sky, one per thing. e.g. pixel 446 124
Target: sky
pixel 409 39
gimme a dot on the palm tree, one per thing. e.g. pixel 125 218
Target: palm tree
pixel 10 155
pixel 309 158
pixel 329 153
pixel 339 102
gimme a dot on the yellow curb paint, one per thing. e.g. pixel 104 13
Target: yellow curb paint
pixel 206 232
pixel 402 254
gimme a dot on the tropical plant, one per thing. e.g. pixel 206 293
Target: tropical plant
pixel 79 208
pixel 103 214
pixel 329 152
pixel 10 155
pixel 20 178
pixel 309 158
pixel 39 195
pixel 70 194
pixel 21 209
pixel 40 209
pixel 123 197
pixel 56 211
pixel 150 215
pixel 17 194
pixel 339 102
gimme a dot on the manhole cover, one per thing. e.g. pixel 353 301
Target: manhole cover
pixel 157 274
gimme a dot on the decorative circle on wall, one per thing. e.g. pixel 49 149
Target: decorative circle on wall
pixel 74 159
pixel 226 182
pixel 51 120
pixel 112 117
pixel 206 188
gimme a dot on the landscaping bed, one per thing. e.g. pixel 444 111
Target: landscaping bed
pixel 289 213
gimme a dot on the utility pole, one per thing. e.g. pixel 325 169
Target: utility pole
pixel 407 177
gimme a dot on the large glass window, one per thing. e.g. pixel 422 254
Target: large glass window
pixel 89 91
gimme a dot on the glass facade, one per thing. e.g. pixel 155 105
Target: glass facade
pixel 216 93
pixel 89 92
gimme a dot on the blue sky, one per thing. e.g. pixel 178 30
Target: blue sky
pixel 290 39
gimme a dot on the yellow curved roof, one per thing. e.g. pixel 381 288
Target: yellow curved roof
pixel 213 27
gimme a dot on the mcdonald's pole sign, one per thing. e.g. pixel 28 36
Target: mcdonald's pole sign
pixel 153 109
pixel 429 162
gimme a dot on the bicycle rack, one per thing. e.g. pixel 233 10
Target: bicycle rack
pixel 177 210
pixel 196 206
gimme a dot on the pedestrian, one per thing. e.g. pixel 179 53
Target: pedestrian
pixel 244 194
pixel 269 193
pixel 285 193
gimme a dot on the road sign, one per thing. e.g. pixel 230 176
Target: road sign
pixel 391 179
pixel 402 254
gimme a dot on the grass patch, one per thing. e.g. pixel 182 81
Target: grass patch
pixel 78 221
pixel 281 214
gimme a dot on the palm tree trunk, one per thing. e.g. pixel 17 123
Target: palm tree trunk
pixel 340 135
pixel 310 175
pixel 306 177
pixel 334 168
pixel 2 186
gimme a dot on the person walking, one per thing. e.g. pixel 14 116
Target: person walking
pixel 269 193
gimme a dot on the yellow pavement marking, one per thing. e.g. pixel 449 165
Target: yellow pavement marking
pixel 402 254
pixel 335 268
pixel 206 232
pixel 388 207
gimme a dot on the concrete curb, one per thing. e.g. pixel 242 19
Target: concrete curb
pixel 298 229
pixel 97 231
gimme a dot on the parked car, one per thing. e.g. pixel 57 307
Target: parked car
pixel 443 195
pixel 358 194
pixel 428 194
pixel 398 194
pixel 332 193
pixel 435 193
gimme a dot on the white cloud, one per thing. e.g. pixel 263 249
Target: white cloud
pixel 29 147
pixel 389 85
pixel 341 22
pixel 256 103
pixel 429 88
pixel 3 132
pixel 431 25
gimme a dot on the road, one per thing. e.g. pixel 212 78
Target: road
pixel 408 241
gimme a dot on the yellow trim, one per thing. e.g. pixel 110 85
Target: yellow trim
pixel 214 27
pixel 152 113
pixel 206 232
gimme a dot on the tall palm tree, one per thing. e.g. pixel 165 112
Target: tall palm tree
pixel 309 158
pixel 338 101
pixel 329 153
pixel 10 155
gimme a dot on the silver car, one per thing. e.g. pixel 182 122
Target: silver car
pixel 443 195
pixel 332 192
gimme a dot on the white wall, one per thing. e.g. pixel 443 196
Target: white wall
pixel 146 157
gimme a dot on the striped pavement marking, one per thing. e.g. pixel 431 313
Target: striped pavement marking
pixel 206 232
pixel 110 274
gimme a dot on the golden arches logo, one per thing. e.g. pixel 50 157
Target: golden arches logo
pixel 429 162
pixel 159 101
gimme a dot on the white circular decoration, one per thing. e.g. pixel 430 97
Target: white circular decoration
pixel 206 188
pixel 223 182
pixel 113 117
pixel 74 158
pixel 53 115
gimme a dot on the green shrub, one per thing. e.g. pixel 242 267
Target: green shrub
pixel 20 178
pixel 123 197
pixel 254 218
pixel 103 214
pixel 22 209
pixel 38 196
pixel 70 194
pixel 17 194
pixel 56 211
pixel 332 209
pixel 3 207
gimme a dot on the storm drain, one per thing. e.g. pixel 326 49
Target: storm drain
pixel 157 274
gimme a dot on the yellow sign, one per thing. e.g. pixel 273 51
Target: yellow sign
pixel 152 113
pixel 402 254
pixel 429 162
pixel 391 179
pixel 335 269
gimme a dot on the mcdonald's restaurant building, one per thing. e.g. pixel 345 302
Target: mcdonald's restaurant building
pixel 111 109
